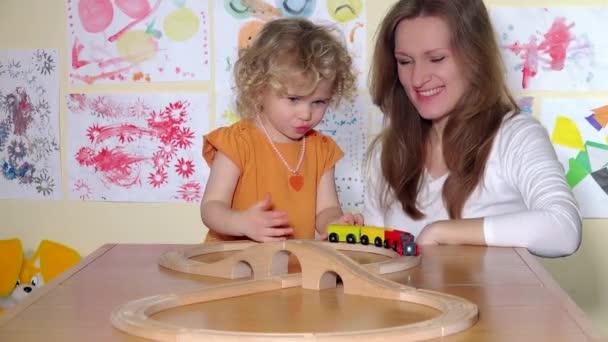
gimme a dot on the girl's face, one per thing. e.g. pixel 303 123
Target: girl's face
pixel 428 67
pixel 288 117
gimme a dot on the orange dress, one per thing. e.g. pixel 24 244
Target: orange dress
pixel 263 172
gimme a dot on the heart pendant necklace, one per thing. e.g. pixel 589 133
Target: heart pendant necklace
pixel 296 180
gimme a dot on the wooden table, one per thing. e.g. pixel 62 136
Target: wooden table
pixel 517 299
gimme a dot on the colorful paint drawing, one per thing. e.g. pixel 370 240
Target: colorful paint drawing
pixel 239 21
pixel 137 40
pixel 553 49
pixel 348 127
pixel 578 130
pixel 143 147
pixel 29 125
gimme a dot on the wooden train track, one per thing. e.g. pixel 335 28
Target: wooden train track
pixel 321 264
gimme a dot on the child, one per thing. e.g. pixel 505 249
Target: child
pixel 272 175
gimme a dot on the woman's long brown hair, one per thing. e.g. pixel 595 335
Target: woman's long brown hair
pixel 472 124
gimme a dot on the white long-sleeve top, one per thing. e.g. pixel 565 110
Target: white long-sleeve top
pixel 524 199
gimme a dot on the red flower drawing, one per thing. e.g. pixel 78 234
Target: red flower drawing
pixel 189 192
pixel 176 112
pixel 160 160
pixel 184 168
pixel 183 137
pixel 158 178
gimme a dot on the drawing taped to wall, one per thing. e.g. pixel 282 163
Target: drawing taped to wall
pixel 137 40
pixel 29 125
pixel 143 147
pixel 237 22
pixel 553 49
pixel 578 130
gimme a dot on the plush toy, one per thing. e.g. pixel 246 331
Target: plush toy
pixel 11 261
pixel 49 260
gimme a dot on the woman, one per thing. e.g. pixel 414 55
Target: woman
pixel 456 163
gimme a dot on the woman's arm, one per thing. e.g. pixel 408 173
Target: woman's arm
pixel 551 226
pixel 453 232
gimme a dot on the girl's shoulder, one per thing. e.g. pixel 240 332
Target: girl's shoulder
pixel 315 136
pixel 239 132
pixel 322 142
pixel 236 141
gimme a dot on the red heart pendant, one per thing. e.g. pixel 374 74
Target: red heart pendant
pixel 296 182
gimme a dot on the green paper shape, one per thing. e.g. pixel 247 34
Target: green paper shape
pixel 596 145
pixel 576 173
pixel 583 160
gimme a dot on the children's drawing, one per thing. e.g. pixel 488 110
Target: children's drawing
pixel 578 131
pixel 29 125
pixel 553 49
pixel 236 23
pixel 143 147
pixel 348 127
pixel 376 122
pixel 137 40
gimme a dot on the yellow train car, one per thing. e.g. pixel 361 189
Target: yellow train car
pixel 399 241
pixel 343 232
pixel 373 235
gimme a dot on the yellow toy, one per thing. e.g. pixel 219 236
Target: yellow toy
pixel 19 277
pixel 11 260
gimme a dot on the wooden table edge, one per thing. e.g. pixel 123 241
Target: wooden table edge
pixel 31 299
pixel 569 305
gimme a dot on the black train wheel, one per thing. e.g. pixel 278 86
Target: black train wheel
pixel 333 237
pixel 378 242
pixel 365 240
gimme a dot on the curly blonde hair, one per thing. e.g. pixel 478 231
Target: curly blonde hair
pixel 289 50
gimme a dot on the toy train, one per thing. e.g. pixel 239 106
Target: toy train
pixel 401 242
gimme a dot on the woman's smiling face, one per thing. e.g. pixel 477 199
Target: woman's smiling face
pixel 428 66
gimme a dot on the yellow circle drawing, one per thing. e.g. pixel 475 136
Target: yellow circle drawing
pixel 136 46
pixel 344 10
pixel 182 24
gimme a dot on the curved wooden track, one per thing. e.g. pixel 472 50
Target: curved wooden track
pixel 242 264
pixel 321 264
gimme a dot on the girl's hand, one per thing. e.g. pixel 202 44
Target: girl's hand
pixel 351 219
pixel 262 224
